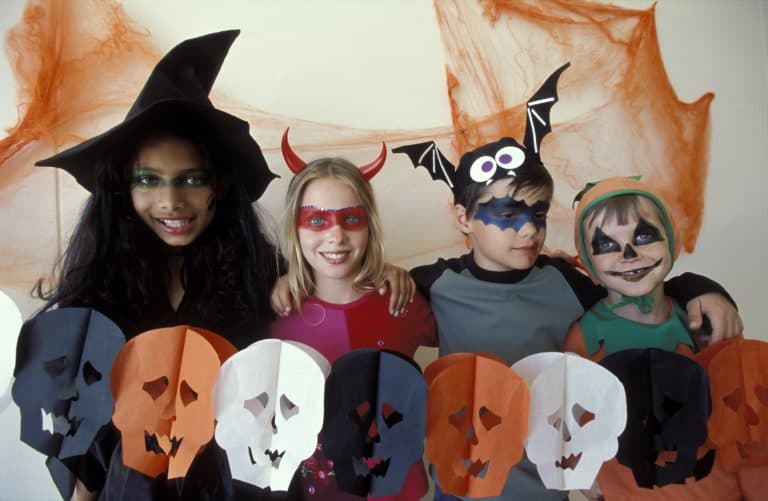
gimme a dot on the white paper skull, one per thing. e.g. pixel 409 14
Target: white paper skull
pixel 578 410
pixel 269 407
pixel 10 324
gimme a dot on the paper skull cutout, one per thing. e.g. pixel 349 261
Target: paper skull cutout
pixel 269 407
pixel 63 359
pixel 374 421
pixel 578 410
pixel 668 405
pixel 477 419
pixel 738 379
pixel 162 381
pixel 10 324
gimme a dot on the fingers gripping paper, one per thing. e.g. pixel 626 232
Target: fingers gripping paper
pixel 477 419
pixel 269 407
pixel 63 358
pixel 162 382
pixel 578 410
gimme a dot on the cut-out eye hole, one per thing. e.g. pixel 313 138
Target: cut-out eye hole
pixel 761 392
pixel 363 409
pixel 482 169
pixel 457 418
pixel 488 418
pixel 156 387
pixel 510 157
pixel 670 406
pixel 256 404
pixel 288 408
pixel 733 399
pixel 187 394
pixel 582 415
pixel 390 415
pixel 56 366
pixel 555 420
pixel 90 374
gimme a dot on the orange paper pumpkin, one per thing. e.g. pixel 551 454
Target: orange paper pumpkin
pixel 162 382
pixel 477 419
pixel 738 426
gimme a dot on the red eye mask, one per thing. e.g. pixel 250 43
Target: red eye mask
pixel 316 219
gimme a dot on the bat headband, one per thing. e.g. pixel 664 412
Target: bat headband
pixel 498 160
pixel 296 164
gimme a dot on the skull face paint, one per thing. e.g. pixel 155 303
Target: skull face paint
pixel 668 405
pixel 578 410
pixel 477 419
pixel 738 375
pixel 375 421
pixel 162 381
pixel 510 213
pixel 269 407
pixel 62 365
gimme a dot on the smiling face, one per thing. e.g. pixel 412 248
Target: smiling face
pixel 172 190
pixel 333 232
pixel 507 230
pixel 630 257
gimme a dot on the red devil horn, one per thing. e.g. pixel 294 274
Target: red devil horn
pixel 293 161
pixel 371 169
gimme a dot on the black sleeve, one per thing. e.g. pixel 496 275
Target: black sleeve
pixel 687 286
pixel 425 276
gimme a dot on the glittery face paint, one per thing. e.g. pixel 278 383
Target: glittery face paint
pixel 316 219
pixel 507 212
pixel 146 179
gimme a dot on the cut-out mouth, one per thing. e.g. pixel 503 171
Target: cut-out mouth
pixel 666 458
pixel 568 463
pixel 59 424
pixel 478 468
pixel 375 466
pixel 152 444
pixel 637 274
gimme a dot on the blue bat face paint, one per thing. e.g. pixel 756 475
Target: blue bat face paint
pixel 507 212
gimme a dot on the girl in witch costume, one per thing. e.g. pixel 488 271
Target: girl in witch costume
pixel 169 237
pixel 332 240
pixel 628 241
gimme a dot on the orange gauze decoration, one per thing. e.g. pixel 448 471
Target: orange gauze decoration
pixel 477 419
pixel 621 115
pixel 162 382
pixel 738 378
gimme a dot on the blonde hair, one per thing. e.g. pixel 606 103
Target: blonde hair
pixel 299 274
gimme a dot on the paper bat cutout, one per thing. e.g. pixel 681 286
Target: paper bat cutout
pixel 477 419
pixel 738 378
pixel 578 410
pixel 497 160
pixel 63 359
pixel 10 324
pixel 269 409
pixel 374 421
pixel 668 404
pixel 162 382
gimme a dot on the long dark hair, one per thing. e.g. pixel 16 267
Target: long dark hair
pixel 113 259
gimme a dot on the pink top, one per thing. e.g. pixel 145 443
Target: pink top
pixel 336 329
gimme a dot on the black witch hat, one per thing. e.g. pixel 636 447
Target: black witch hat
pixel 176 95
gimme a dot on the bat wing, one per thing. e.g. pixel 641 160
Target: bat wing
pixel 538 108
pixel 427 155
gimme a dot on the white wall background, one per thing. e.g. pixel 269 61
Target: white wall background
pixel 380 65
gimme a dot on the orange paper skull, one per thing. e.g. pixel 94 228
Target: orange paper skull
pixel 162 382
pixel 477 419
pixel 738 427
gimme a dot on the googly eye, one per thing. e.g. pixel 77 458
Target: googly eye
pixel 482 169
pixel 510 157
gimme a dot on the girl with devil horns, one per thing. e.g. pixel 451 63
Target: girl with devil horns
pixel 332 241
